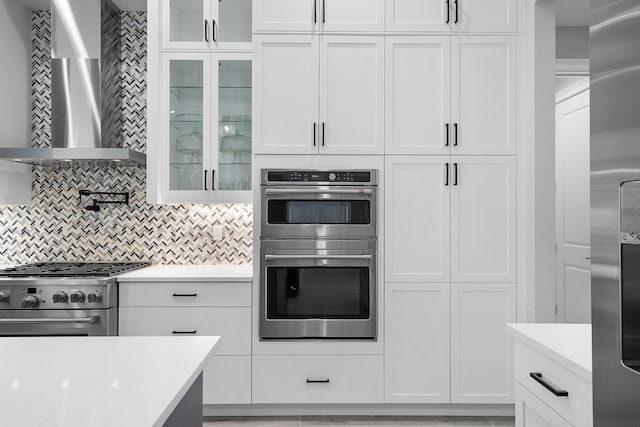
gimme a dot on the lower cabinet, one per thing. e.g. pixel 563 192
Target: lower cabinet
pixel 533 412
pixel 181 309
pixel 447 342
pixel 317 379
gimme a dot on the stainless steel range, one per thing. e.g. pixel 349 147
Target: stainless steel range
pixel 61 298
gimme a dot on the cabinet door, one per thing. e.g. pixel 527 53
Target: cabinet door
pixel 351 15
pixel 286 94
pixel 186 119
pixel 352 95
pixel 483 94
pixel 484 16
pixel 483 219
pixel 289 15
pixel 481 362
pixel 184 26
pixel 418 15
pixel 532 412
pixel 417 95
pixel 417 343
pixel 227 380
pixel 417 219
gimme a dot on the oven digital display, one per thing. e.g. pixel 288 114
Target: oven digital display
pixel 32 290
pixel 319 176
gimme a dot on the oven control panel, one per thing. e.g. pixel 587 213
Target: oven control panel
pixel 316 176
pixel 36 296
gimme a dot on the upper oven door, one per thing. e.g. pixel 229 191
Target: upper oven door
pixel 318 211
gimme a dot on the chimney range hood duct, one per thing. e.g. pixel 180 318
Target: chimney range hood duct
pixel 86 117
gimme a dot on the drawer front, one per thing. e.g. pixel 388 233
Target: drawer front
pixel 531 411
pixel 576 407
pixel 185 294
pixel 317 379
pixel 233 324
pixel 227 380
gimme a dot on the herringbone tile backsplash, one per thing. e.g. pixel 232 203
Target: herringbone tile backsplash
pixel 57 227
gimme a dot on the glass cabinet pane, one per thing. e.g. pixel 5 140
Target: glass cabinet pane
pixel 235 20
pixel 234 125
pixel 186 20
pixel 186 125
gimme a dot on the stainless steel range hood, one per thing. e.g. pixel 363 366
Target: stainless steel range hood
pixel 86 117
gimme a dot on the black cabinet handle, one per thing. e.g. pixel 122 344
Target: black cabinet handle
pixel 324 381
pixel 213 29
pixel 455 134
pixel 446 174
pixel 185 295
pixel 548 385
pixel 184 332
pixel 205 180
pixel 315 13
pixel 314 133
pixel 446 130
pixel 455 174
pixel 448 12
pixel 206 30
pixel 213 179
pixel 323 11
pixel 456 20
pixel 323 134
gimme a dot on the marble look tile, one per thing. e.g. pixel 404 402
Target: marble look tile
pixel 502 421
pixel 388 421
pixel 251 421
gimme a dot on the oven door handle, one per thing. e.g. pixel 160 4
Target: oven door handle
pixel 92 319
pixel 270 257
pixel 361 191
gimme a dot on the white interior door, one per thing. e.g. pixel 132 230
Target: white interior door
pixel 418 95
pixel 573 266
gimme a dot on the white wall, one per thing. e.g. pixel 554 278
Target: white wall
pixel 15 104
pixel 572 42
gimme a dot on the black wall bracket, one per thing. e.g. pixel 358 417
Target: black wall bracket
pixel 121 198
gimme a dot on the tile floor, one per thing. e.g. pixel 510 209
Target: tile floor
pixel 378 421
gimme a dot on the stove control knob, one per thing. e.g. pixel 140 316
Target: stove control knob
pixel 76 296
pixel 59 297
pixel 30 301
pixel 332 176
pixel 4 296
pixel 94 297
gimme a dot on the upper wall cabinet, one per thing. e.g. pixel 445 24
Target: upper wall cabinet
pixel 206 24
pixel 319 15
pixel 325 94
pixel 452 15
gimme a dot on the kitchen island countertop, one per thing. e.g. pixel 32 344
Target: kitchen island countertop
pixel 98 381
pixel 192 273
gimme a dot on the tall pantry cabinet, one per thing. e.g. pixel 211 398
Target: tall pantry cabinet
pixel 450 210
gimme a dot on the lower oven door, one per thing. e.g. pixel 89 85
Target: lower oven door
pixel 324 293
pixel 16 323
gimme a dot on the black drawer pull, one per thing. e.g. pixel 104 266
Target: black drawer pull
pixel 185 295
pixel 184 332
pixel 548 385
pixel 325 381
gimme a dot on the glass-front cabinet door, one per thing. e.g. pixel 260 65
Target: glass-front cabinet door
pixel 207 132
pixel 206 24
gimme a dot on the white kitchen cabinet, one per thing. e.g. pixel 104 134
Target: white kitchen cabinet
pixel 417 343
pixel 206 24
pixel 324 94
pixel 450 219
pixel 319 15
pixel 206 308
pixel 483 224
pixel 481 364
pixel 417 218
pixel 418 93
pixel 531 411
pixel 451 94
pixel 317 379
pixel 483 94
pixel 207 129
pixel 452 15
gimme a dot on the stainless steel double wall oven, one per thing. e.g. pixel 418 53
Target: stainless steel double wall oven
pixel 318 247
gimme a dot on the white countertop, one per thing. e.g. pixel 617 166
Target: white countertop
pixel 97 381
pixel 194 273
pixel 567 343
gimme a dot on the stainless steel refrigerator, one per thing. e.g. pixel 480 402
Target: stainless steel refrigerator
pixel 615 210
